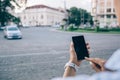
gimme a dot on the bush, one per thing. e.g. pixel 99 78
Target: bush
pixel 115 29
pixel 62 26
pixel 97 29
pixel 71 28
pixel 103 29
pixel 89 29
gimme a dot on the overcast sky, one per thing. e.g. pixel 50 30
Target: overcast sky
pixel 85 4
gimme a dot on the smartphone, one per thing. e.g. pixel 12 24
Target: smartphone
pixel 80 47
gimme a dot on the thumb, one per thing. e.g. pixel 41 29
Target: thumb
pixel 94 67
pixel 88 59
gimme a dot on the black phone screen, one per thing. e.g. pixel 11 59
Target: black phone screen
pixel 80 47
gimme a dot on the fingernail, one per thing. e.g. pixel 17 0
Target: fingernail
pixel 90 63
pixel 86 57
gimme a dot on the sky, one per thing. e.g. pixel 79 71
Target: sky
pixel 85 4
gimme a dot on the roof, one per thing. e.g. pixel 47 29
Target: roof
pixel 43 6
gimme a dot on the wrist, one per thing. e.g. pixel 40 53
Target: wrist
pixel 75 62
pixel 71 65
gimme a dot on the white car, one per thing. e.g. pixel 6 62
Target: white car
pixel 2 27
pixel 11 32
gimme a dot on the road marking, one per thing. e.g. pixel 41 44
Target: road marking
pixel 53 52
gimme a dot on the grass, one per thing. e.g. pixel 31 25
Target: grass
pixel 89 30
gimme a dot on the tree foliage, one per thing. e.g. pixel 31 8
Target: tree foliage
pixel 74 16
pixel 5 16
pixel 79 16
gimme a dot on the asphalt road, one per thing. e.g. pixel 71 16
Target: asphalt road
pixel 43 52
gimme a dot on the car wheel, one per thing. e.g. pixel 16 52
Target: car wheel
pixel 4 36
pixel 7 38
pixel 20 38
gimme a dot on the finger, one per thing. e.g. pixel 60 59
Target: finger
pixel 88 47
pixel 99 61
pixel 94 67
pixel 71 43
pixel 88 51
pixel 93 60
pixel 89 59
pixel 87 43
pixel 71 46
pixel 72 51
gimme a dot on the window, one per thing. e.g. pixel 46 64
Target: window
pixel 102 16
pixel 102 10
pixel 102 3
pixel 29 22
pixel 93 10
pixel 12 29
pixel 41 16
pixel 109 10
pixel 109 3
pixel 113 10
pixel 108 16
pixel 24 17
pixel 114 16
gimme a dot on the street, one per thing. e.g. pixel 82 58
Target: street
pixel 43 52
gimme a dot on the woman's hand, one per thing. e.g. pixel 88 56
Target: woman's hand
pixel 73 56
pixel 97 64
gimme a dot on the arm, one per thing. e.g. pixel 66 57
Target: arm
pixel 69 71
pixel 97 64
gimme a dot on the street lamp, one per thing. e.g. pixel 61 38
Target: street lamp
pixel 66 17
pixel 96 17
pixel 82 17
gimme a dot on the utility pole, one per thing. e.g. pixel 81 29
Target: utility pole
pixel 66 16
pixel 96 16
pixel 82 17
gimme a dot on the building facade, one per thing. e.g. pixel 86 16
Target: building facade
pixel 41 15
pixel 104 13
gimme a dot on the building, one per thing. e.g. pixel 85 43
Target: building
pixel 104 13
pixel 41 15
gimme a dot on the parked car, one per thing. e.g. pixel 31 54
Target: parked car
pixel 11 32
pixel 2 27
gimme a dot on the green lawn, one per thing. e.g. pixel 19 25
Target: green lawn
pixel 93 31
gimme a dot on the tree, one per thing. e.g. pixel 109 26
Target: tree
pixel 79 16
pixel 74 16
pixel 5 16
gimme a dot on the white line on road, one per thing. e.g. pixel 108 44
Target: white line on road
pixel 53 52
